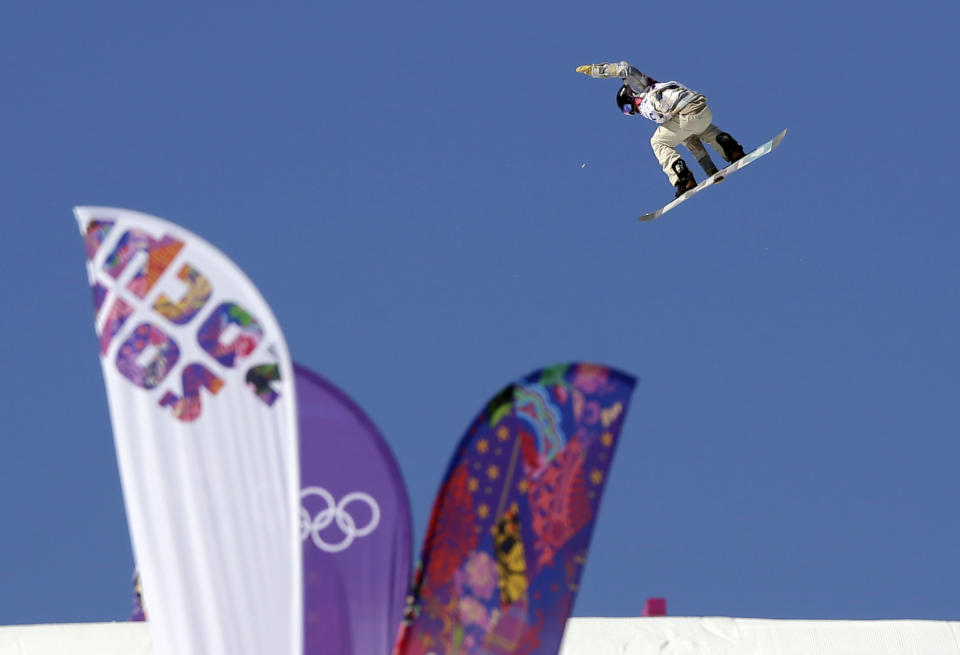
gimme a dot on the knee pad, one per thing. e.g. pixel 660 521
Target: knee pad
pixel 725 140
pixel 732 150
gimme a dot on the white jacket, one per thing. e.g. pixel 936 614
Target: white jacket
pixel 660 102
pixel 665 100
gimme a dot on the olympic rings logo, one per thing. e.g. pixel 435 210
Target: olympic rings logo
pixel 334 511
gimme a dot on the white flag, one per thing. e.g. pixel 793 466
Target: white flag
pixel 202 403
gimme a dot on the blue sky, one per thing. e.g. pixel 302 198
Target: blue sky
pixel 434 203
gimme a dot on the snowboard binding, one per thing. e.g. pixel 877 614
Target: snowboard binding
pixel 685 180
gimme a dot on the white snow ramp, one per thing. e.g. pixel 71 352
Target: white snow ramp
pixel 727 636
pixel 589 636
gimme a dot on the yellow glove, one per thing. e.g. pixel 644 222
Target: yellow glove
pixel 585 69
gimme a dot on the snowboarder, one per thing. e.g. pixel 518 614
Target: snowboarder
pixel 683 117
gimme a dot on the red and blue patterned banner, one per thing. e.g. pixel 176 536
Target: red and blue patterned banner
pixel 510 528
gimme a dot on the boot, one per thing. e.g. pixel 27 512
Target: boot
pixel 732 151
pixel 685 180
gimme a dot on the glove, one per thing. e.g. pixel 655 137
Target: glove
pixel 585 69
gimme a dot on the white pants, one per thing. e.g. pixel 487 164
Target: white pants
pixel 697 123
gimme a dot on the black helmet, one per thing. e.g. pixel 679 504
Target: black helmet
pixel 625 98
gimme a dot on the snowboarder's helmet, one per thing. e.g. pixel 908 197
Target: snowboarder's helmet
pixel 625 100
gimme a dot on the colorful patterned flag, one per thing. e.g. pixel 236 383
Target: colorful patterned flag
pixel 509 531
pixel 354 522
pixel 203 409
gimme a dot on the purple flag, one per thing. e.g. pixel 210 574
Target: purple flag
pixel 508 534
pixel 355 525
pixel 138 612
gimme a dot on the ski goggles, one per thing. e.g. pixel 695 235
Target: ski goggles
pixel 628 110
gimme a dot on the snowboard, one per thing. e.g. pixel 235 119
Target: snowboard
pixel 719 176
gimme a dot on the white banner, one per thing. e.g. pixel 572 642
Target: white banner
pixel 202 403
